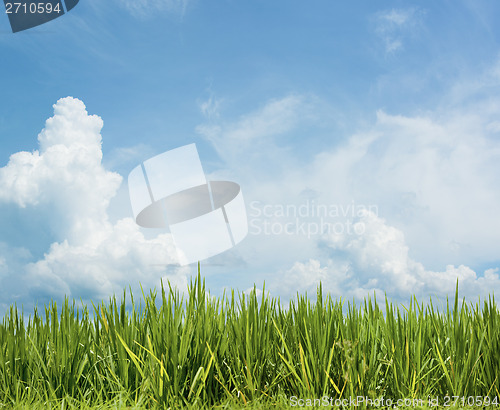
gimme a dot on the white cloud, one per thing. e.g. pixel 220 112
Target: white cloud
pixel 258 292
pixel 147 7
pixel 378 262
pixel 250 144
pixel 65 183
pixel 434 175
pixel 433 178
pixel 210 108
pixel 121 258
pixel 392 45
pixel 66 173
pixel 393 26
pixel 127 157
pixel 275 118
pixel 306 276
pixel 477 89
pixel 3 266
pixel 396 17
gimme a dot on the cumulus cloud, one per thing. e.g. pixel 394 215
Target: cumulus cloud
pixel 305 276
pixel 121 258
pixel 378 261
pixel 433 178
pixel 438 172
pixel 66 173
pixel 258 292
pixel 65 183
pixel 381 261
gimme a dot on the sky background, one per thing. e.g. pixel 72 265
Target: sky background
pixel 392 106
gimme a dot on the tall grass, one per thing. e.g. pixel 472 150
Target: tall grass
pixel 204 351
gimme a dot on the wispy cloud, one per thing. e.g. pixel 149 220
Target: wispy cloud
pixel 210 108
pixel 251 141
pixel 276 117
pixel 433 177
pixel 393 26
pixel 146 7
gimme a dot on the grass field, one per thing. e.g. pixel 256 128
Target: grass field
pixel 241 350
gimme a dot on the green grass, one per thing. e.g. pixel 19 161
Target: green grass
pixel 240 350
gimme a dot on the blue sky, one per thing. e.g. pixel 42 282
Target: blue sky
pixel 393 105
